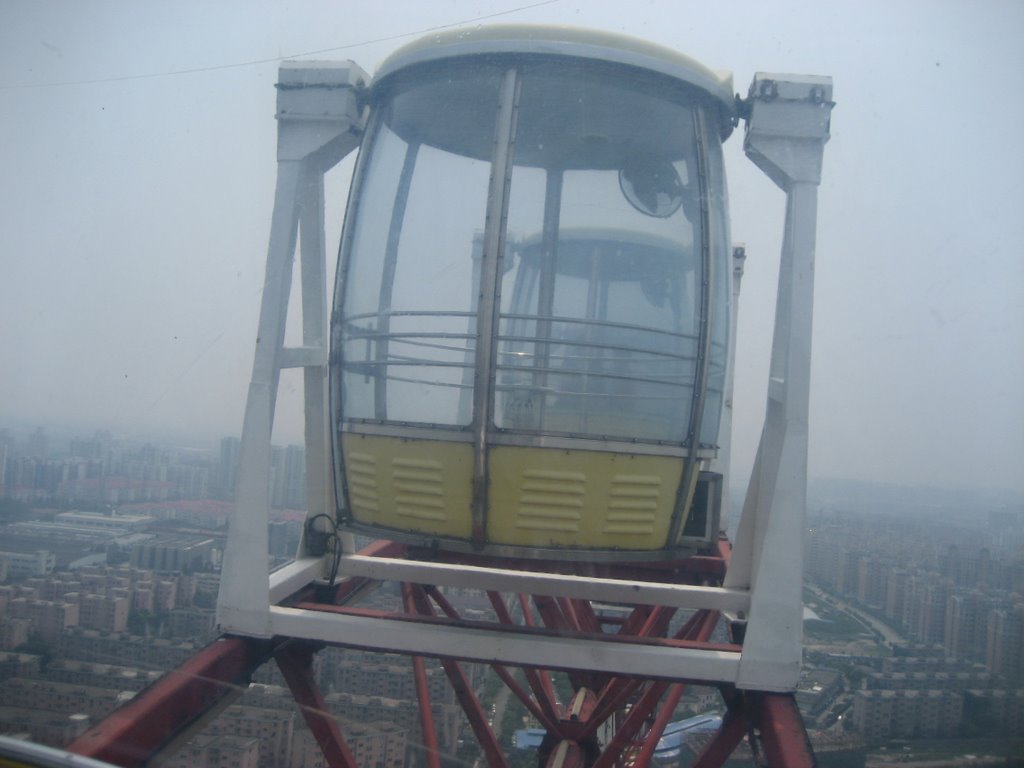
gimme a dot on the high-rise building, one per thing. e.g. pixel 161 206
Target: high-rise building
pixel 227 474
pixel 896 594
pixel 173 552
pixel 879 715
pixel 967 624
pixel 288 477
pixel 276 476
pixel 931 626
pixel 107 614
pixel 3 464
pixel 1004 646
pixel 872 582
pixel 295 477
pixel 49 618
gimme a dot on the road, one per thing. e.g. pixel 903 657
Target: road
pixel 887 632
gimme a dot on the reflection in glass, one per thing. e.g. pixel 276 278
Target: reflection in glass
pixel 600 301
pixel 410 290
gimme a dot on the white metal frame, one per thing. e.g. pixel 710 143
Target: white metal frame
pixel 319 122
pixel 786 134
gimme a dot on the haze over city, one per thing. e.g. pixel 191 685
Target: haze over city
pixel 139 164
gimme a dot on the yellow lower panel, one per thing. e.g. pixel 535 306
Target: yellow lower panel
pixel 421 486
pixel 542 497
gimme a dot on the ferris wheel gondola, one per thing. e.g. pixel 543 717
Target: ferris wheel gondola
pixel 532 307
pixel 524 390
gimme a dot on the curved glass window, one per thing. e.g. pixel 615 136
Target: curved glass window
pixel 721 299
pixel 601 278
pixel 410 289
pixel 599 319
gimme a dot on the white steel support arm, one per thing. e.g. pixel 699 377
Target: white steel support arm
pixel 723 462
pixel 313 259
pixel 319 122
pixel 243 598
pixel 786 133
pixel 497 647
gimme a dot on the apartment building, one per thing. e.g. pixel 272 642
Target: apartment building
pixel 879 715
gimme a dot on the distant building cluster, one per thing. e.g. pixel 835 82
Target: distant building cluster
pixel 100 598
pixel 155 540
pixel 111 578
pixel 287 473
pixel 104 471
pixel 99 471
pixel 924 695
pixel 264 731
pixel 956 594
pixel 100 658
pixel 961 589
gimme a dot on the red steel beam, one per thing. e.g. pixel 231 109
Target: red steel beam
pixel 657 622
pixel 185 697
pixel 691 627
pixel 552 615
pixel 572 751
pixel 615 693
pixel 782 732
pixel 524 605
pixel 557 615
pixel 538 680
pixel 464 693
pixel 475 714
pixel 699 628
pixel 636 619
pixel 642 622
pixel 547 723
pixel 635 720
pixel 568 608
pixel 566 754
pixel 665 710
pixel 419 669
pixel 506 676
pixel 180 700
pixel 581 617
pixel 612 698
pixel 295 660
pixel 734 727
pixel 500 609
pixel 442 602
pixel 383 548
pixel 578 715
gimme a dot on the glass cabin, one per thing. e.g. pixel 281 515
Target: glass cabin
pixel 531 315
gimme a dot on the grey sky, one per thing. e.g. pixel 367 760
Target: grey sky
pixel 134 211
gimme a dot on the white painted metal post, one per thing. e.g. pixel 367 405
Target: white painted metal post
pixel 786 133
pixel 722 463
pixel 319 478
pixel 243 602
pixel 319 122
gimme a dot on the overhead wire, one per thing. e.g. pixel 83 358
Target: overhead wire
pixel 272 59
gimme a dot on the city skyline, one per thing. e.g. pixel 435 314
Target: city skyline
pixel 914 644
pixel 823 487
pixel 141 171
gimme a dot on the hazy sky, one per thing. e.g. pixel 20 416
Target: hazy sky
pixel 137 157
